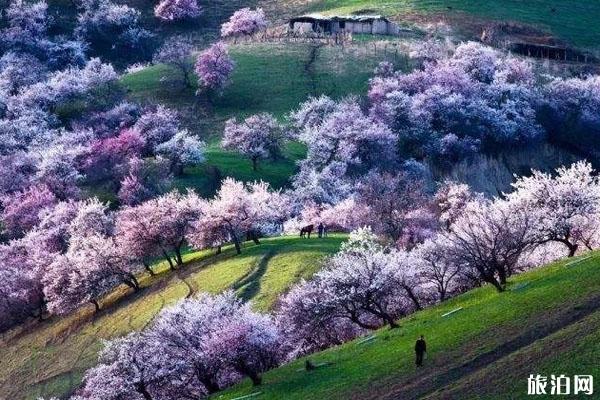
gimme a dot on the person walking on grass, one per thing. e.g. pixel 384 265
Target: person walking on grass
pixel 320 229
pixel 420 349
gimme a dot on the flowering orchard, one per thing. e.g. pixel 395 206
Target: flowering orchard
pixel 67 133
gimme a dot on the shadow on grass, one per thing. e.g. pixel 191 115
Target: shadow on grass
pixel 248 285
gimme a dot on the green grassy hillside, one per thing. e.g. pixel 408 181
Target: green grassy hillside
pixel 50 359
pixel 574 21
pixel 487 348
pixel 269 77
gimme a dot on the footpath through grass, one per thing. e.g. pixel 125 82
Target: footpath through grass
pixel 50 359
pixel 549 302
pixel 575 21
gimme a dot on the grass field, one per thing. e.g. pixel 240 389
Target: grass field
pixel 268 77
pixel 50 359
pixel 575 21
pixel 487 349
pixel 205 178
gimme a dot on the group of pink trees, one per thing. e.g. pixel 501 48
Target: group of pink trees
pixel 364 286
pixel 76 252
pixel 191 350
pixel 213 66
pixel 159 227
pixel 475 100
pixel 204 344
pixel 177 52
pixel 239 210
pixel 470 241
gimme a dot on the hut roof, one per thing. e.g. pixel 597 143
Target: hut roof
pixel 345 18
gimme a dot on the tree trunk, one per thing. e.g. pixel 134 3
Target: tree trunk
pixel 572 249
pixel 96 305
pixel 502 275
pixel 177 168
pixel 390 321
pixel 178 258
pixel 499 287
pixel 236 242
pixel 211 387
pixel 414 298
pixel 362 324
pixel 255 378
pixel 133 282
pixel 141 389
pixel 253 236
pixel 171 266
pixel 219 250
pixel 148 268
pixel 186 78
pixel 41 312
pixel 254 163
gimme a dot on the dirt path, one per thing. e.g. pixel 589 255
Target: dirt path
pixel 437 377
pixel 309 66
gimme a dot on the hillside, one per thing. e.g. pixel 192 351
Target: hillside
pixel 573 21
pixel 382 160
pixel 50 359
pixel 486 348
pixel 284 74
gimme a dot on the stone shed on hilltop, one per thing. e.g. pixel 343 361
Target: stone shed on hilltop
pixel 368 24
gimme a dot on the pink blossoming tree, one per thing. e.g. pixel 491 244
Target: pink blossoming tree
pixel 214 67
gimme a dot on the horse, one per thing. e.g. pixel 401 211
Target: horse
pixel 307 229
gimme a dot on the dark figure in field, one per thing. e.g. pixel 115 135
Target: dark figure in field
pixel 320 229
pixel 420 349
pixel 306 230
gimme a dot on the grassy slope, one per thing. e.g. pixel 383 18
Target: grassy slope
pixel 268 78
pixel 574 21
pixel 489 327
pixel 50 359
pixel 571 351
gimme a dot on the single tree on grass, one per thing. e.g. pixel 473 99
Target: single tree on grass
pixel 182 150
pixel 214 67
pixel 437 267
pixel 133 367
pixel 489 238
pixel 92 267
pixel 176 51
pixel 177 10
pixel 244 22
pixel 257 137
pixel 367 284
pixel 247 342
pixel 157 125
